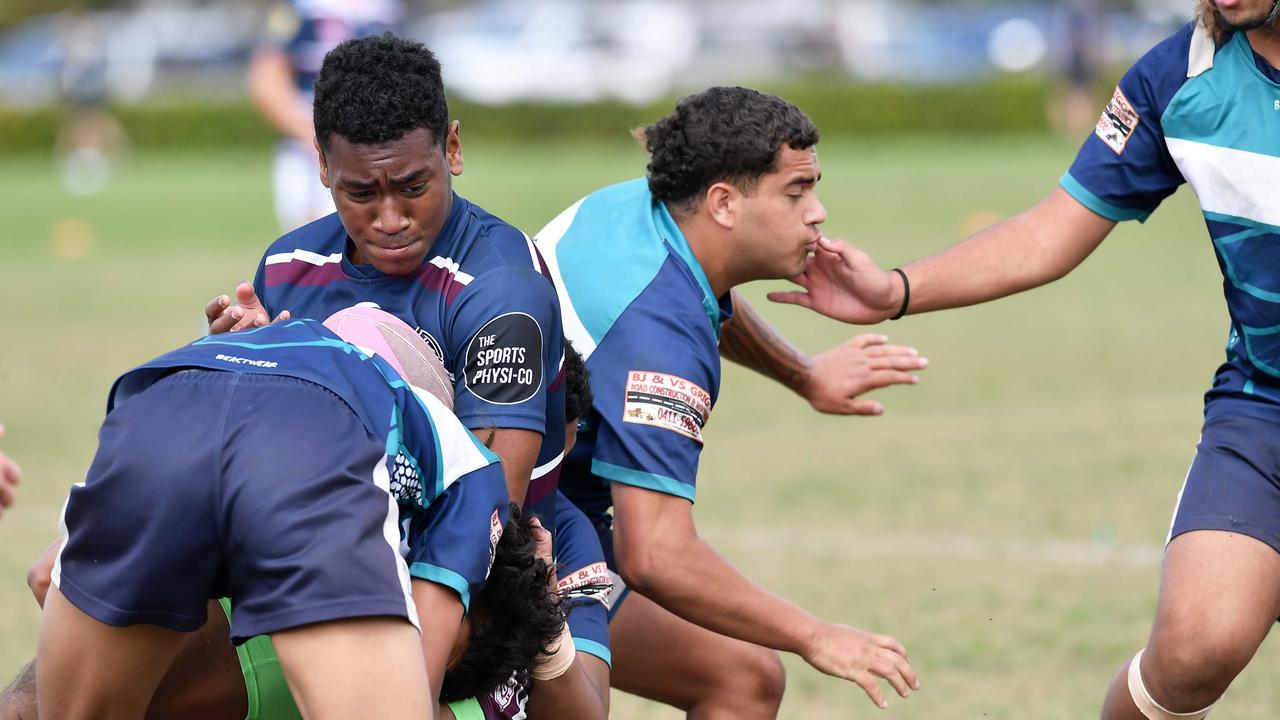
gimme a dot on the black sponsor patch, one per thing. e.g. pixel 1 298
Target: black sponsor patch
pixel 504 360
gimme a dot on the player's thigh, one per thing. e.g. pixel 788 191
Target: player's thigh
pixel 364 667
pixel 205 679
pixel 1219 596
pixel 662 657
pixel 88 669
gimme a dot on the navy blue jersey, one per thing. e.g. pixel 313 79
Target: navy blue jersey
pixel 305 30
pixel 639 308
pixel 450 489
pixel 1206 113
pixel 480 299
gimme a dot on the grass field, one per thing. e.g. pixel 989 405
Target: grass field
pixel 1003 519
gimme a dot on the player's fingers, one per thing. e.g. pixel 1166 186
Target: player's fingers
pixel 6 494
pixel 869 685
pixel 908 673
pixel 284 315
pixel 885 378
pixel 869 340
pixel 865 407
pixel 888 670
pixel 890 643
pixel 214 309
pixel 898 362
pixel 246 296
pixel 791 297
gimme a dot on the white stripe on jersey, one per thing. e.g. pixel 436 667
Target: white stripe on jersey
pixel 391 533
pixel 459 451
pixel 533 252
pixel 445 263
pixel 547 467
pixel 305 256
pixel 547 239
pixel 56 575
pixel 1232 182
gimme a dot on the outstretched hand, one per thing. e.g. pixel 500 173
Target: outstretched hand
pixel 10 476
pixel 842 282
pixel 248 312
pixel 842 374
pixel 859 656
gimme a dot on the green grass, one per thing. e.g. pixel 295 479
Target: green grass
pixel 1003 519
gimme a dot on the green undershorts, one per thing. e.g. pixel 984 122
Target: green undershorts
pixel 268 693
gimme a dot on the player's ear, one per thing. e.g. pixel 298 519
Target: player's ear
pixel 324 163
pixel 721 201
pixel 453 148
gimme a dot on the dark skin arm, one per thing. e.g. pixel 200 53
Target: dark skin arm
pixel 833 381
pixel 586 682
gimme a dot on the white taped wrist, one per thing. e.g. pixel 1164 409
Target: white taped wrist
pixel 558 661
pixel 1147 704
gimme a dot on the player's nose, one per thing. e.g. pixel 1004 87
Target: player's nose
pixel 391 220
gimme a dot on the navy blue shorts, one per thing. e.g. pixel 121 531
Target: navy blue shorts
pixel 264 488
pixel 1234 481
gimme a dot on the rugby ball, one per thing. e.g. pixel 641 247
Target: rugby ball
pixel 378 332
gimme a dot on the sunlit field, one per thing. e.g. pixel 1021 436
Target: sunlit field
pixel 1003 519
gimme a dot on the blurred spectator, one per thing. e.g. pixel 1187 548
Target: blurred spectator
pixel 281 75
pixel 90 139
pixel 1073 109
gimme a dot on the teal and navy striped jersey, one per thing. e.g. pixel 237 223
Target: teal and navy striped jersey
pixel 1208 114
pixel 638 306
pixel 451 490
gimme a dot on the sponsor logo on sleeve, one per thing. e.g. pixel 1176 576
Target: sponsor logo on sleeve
pixel 504 360
pixel 1118 122
pixel 593 581
pixel 246 361
pixel 666 401
pixel 495 534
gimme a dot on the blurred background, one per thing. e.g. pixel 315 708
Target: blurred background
pixel 1004 518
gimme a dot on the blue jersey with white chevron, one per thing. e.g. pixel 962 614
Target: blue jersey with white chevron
pixel 306 30
pixel 481 299
pixel 450 488
pixel 639 308
pixel 1208 114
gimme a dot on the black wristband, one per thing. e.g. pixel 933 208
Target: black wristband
pixel 906 294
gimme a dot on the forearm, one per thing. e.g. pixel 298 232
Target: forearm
pixel 690 579
pixel 271 89
pixel 750 341
pixel 582 692
pixel 1022 252
pixel 519 452
pixel 439 617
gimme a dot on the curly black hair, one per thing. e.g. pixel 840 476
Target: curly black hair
pixel 514 617
pixel 577 387
pixel 377 89
pixel 722 134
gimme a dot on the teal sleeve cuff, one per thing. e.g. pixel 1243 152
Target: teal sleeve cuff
pixel 648 481
pixel 1097 204
pixel 591 647
pixel 446 577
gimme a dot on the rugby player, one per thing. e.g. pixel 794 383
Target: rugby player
pixel 1201 107
pixel 473 286
pixel 644 270
pixel 10 476
pixel 300 459
pixel 282 72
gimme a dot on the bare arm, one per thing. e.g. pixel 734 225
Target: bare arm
pixel 440 617
pixel 271 89
pixel 519 452
pixel 582 692
pixel 832 381
pixel 10 476
pixel 660 555
pixel 1025 251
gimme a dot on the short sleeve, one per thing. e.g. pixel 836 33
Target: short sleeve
pixel 1124 170
pixel 583 579
pixel 453 541
pixel 652 380
pixel 505 343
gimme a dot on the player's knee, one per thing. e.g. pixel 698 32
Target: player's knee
pixel 1175 685
pixel 763 677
